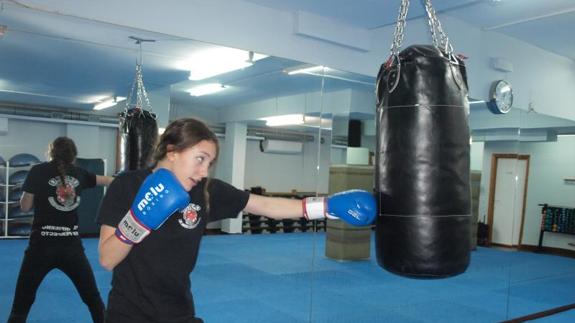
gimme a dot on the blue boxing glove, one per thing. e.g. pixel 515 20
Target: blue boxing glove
pixel 356 207
pixel 159 196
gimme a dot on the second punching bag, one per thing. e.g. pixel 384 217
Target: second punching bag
pixel 138 136
pixel 422 161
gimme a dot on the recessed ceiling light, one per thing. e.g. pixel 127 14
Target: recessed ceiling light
pixel 284 120
pixel 216 61
pixel 110 102
pixel 205 89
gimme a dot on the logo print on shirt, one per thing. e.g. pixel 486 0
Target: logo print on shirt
pixel 65 194
pixel 190 218
pixel 66 198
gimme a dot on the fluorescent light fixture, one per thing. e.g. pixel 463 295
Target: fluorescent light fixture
pixel 284 120
pixel 317 122
pixel 305 69
pixel 321 71
pixel 476 101
pixel 297 119
pixel 205 89
pixel 109 103
pixel 218 61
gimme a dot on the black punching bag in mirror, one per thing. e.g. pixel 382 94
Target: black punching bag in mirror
pixel 422 164
pixel 138 136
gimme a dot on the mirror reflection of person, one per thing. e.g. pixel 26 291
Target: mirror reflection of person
pixel 152 221
pixel 53 189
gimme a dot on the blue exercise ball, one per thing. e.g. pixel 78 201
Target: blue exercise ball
pixel 15 195
pixel 18 178
pixel 23 159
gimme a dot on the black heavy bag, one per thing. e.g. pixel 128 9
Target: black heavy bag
pixel 137 139
pixel 422 174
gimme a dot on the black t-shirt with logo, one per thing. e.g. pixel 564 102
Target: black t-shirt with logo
pixel 55 205
pixel 153 282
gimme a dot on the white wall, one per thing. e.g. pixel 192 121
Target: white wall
pixel 20 138
pixel 207 114
pixel 33 137
pixel 335 103
pixel 476 157
pixel 338 155
pixel 283 173
pixel 160 102
pixel 550 163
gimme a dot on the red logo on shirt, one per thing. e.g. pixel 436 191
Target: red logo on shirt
pixel 65 198
pixel 190 218
pixel 65 194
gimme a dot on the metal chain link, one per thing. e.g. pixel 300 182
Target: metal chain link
pixel 399 28
pixel 435 26
pixel 131 93
pixel 438 36
pixel 142 94
pixel 141 101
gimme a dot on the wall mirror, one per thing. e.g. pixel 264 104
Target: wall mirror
pixel 55 69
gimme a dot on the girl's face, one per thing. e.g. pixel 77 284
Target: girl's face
pixel 191 165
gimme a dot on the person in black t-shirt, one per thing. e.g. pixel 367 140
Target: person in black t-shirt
pixel 152 265
pixel 53 189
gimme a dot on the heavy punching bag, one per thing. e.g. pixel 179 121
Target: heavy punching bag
pixel 422 159
pixel 137 139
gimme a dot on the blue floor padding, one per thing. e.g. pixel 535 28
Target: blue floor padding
pixel 287 278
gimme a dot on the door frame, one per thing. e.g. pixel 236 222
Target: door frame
pixel 492 182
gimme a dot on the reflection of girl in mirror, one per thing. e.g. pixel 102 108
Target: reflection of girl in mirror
pixel 152 249
pixel 53 189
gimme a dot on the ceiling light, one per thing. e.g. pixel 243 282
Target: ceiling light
pixel 322 71
pixel 284 120
pixel 109 103
pixel 218 61
pixel 305 69
pixel 317 122
pixel 205 89
pixel 298 119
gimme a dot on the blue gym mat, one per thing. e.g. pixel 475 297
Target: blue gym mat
pixel 287 278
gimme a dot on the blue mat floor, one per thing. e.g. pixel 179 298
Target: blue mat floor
pixel 287 278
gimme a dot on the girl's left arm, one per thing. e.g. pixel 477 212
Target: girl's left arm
pixel 27 201
pixel 104 180
pixel 274 207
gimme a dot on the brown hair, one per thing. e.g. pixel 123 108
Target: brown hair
pixel 62 152
pixel 182 134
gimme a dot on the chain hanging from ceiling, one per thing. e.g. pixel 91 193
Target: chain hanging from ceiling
pixel 138 126
pixel 138 97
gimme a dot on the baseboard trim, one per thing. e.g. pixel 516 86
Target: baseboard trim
pixel 503 245
pixel 550 250
pixel 541 314
pixel 555 251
